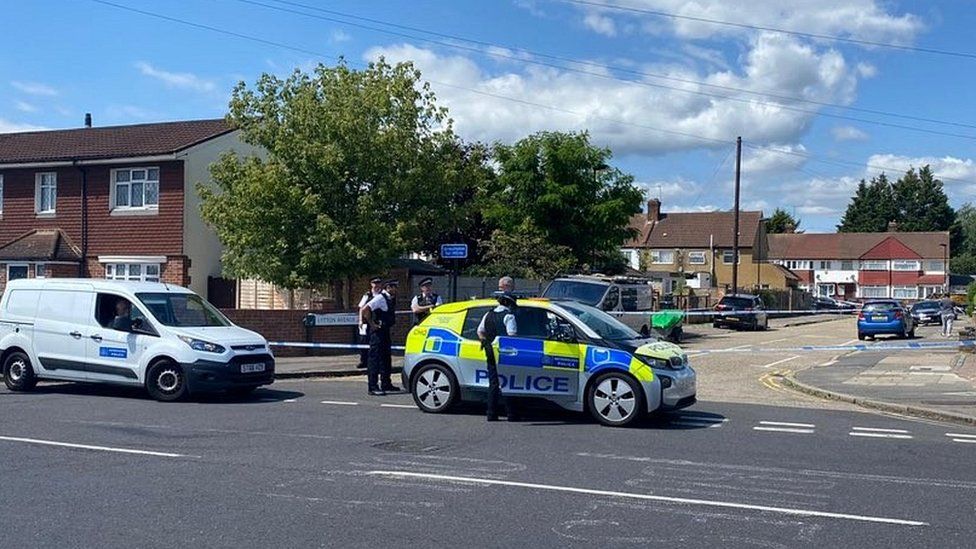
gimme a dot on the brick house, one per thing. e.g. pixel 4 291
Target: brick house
pixel 700 243
pixel 116 202
pixel 865 265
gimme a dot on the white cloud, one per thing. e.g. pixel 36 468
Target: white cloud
pixel 181 80
pixel 600 24
pixel 772 159
pixel 612 109
pixel 6 126
pixel 338 36
pixel 34 88
pixel 848 133
pixel 24 106
pixel 949 167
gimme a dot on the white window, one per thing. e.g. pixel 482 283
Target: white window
pixel 905 265
pixel 664 257
pixel 135 188
pixel 847 265
pixel 795 265
pixel 40 271
pixel 905 292
pixel 46 193
pixel 929 291
pixel 874 291
pixel 824 265
pixel 937 266
pixel 727 256
pixel 144 272
pixel 16 271
pixel 825 290
pixel 871 265
pixel 696 258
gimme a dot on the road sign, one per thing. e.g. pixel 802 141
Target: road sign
pixel 332 319
pixel 454 251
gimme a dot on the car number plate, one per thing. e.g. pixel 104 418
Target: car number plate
pixel 251 368
pixel 879 318
pixel 733 318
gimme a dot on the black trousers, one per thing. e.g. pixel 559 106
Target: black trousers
pixel 495 397
pixel 379 361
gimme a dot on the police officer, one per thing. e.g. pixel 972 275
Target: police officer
pixel 380 315
pixel 375 287
pixel 426 300
pixel 496 322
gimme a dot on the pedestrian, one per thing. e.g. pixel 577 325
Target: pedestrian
pixel 498 322
pixel 947 310
pixel 375 287
pixel 426 300
pixel 380 314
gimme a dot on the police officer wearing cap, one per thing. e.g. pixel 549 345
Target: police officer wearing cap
pixel 499 321
pixel 380 314
pixel 375 288
pixel 426 300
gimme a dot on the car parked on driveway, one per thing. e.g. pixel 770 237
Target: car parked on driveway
pixel 741 311
pixel 831 304
pixel 926 312
pixel 884 317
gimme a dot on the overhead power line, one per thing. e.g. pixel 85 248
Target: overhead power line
pixel 605 76
pixel 659 13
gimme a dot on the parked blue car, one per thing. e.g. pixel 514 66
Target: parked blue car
pixel 882 317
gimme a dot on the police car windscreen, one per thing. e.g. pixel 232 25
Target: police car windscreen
pixel 182 310
pixel 600 322
pixel 584 292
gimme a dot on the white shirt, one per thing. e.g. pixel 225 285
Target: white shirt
pixel 509 321
pixel 416 303
pixel 362 303
pixel 378 303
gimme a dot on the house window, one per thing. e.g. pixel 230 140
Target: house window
pixel 824 265
pixel 143 272
pixel 905 292
pixel 46 193
pixel 874 291
pixel 727 257
pixel 40 271
pixel 931 266
pixel 847 265
pixel 136 188
pixel 696 258
pixel 905 265
pixel 930 291
pixel 825 290
pixel 874 266
pixel 665 257
pixel 16 271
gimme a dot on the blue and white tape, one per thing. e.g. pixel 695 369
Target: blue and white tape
pixel 345 346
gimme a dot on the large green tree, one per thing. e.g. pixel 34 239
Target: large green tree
pixel 871 209
pixel 561 188
pixel 356 162
pixel 921 203
pixel 782 222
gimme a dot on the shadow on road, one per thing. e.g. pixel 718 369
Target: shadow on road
pixel 259 396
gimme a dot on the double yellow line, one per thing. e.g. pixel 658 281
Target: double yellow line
pixel 771 379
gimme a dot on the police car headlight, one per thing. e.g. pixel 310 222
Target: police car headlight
pixel 200 345
pixel 653 362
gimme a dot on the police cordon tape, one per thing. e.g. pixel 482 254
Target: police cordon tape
pixel 877 347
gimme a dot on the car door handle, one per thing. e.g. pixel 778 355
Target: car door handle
pixel 507 351
pixel 96 337
pixel 76 335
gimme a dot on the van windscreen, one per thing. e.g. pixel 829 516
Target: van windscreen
pixel 182 310
pixel 585 292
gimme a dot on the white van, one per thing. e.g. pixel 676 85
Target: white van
pixel 158 336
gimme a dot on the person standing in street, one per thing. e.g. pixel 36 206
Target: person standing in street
pixel 426 300
pixel 499 321
pixel 506 284
pixel 375 287
pixel 380 314
pixel 947 310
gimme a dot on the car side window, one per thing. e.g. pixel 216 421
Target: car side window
pixel 558 328
pixel 470 328
pixel 532 322
pixel 117 313
pixel 612 299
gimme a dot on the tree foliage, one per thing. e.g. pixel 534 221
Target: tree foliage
pixel 525 252
pixel 916 202
pixel 782 222
pixel 871 208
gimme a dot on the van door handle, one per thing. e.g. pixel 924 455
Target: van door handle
pixel 96 337
pixel 76 335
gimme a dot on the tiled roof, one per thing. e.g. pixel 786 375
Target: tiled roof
pixel 694 230
pixel 107 142
pixel 40 245
pixel 851 245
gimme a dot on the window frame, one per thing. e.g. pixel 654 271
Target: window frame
pixel 865 288
pixel 114 206
pixel 895 289
pixel 39 194
pixel 931 265
pixel 830 286
pixel 826 265
pixel 849 265
pixel 874 265
pixel 731 255
pixel 697 253
pixel 40 270
pixel 904 264
pixel 656 257
pixel 26 267
pixel 143 272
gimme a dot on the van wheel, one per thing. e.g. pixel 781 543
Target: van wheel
pixel 615 399
pixel 166 382
pixel 434 388
pixel 18 374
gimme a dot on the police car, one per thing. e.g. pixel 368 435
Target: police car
pixel 571 354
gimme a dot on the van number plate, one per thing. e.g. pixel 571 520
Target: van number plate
pixel 251 368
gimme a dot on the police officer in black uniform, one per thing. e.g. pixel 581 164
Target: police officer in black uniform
pixel 380 314
pixel 375 287
pixel 499 321
pixel 426 300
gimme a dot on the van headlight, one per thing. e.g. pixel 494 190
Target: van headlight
pixel 200 345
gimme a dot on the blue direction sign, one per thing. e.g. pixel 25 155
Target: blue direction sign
pixel 454 251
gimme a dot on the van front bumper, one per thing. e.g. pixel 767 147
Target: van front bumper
pixel 212 375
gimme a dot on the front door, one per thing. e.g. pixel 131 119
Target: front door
pixel 114 347
pixel 538 361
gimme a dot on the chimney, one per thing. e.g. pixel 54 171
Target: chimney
pixel 653 210
pixel 892 227
pixel 87 119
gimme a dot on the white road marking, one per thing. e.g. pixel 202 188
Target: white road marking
pixel 784 430
pixel 340 402
pixel 97 448
pixel 777 340
pixel 959 435
pixel 874 430
pixel 785 424
pixel 969 440
pixel 648 497
pixel 771 364
pixel 411 406
pixel 879 435
pixel 290 400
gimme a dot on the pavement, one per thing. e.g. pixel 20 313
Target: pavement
pixel 315 463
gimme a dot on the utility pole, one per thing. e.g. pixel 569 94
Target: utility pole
pixel 735 230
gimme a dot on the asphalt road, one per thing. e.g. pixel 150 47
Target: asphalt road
pixel 319 463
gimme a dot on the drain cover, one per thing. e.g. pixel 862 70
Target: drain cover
pixel 409 446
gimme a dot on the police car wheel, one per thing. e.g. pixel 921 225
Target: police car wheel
pixel 615 399
pixel 18 375
pixel 435 390
pixel 166 381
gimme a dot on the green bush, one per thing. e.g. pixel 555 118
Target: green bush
pixel 970 297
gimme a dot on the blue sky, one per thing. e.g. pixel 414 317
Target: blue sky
pixel 641 73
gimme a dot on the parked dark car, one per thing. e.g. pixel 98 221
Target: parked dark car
pixel 926 312
pixel 887 316
pixel 741 311
pixel 830 304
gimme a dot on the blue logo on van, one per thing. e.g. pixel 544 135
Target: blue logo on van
pixel 113 352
